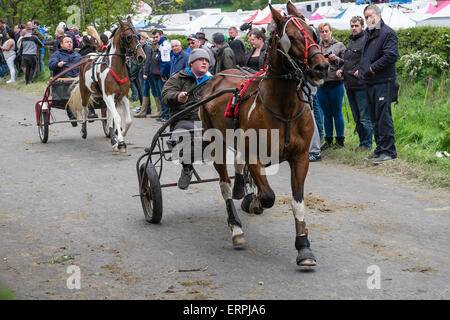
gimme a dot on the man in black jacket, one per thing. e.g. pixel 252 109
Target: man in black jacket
pixel 377 71
pixel 225 55
pixel 355 89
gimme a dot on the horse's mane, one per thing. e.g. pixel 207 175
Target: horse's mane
pixel 113 32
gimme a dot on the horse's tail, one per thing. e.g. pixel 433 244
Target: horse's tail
pixel 75 102
pixel 94 34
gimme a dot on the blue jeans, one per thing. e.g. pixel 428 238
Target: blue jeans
pixel 318 116
pixel 379 99
pixel 165 110
pixel 330 99
pixel 360 110
pixel 42 59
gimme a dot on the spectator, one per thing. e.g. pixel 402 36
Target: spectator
pixel 355 88
pixel 377 72
pixel 63 26
pixel 22 33
pixel 3 31
pixel 87 46
pixel 163 49
pixel 255 59
pixel 59 33
pixel 178 58
pixel 225 56
pixel 175 97
pixel 29 49
pixel 9 54
pixel 105 42
pixel 63 59
pixel 202 38
pixel 147 82
pixel 314 147
pixel 39 32
pixel 17 62
pixel 331 93
pixel 237 46
pixel 137 73
pixel 194 43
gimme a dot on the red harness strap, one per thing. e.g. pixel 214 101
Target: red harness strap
pixel 243 87
pixel 308 41
pixel 120 81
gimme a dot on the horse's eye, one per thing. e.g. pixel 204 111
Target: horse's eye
pixel 129 38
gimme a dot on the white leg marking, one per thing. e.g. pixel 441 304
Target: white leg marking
pixel 226 190
pixel 298 209
pixel 236 231
pixel 128 120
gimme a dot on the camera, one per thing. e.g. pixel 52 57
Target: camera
pixel 327 55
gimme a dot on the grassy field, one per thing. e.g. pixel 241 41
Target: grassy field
pixel 422 128
pixel 5 294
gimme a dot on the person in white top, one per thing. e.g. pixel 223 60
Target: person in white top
pixel 9 53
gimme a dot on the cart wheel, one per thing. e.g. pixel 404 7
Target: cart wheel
pixel 150 191
pixel 43 125
pixel 157 158
pixel 105 123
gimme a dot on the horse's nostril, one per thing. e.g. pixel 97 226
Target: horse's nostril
pixel 322 67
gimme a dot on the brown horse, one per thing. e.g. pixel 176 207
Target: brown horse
pixel 276 103
pixel 107 77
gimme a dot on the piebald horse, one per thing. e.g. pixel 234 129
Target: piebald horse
pixel 107 77
pixel 278 102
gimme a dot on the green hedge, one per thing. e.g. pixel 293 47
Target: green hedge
pixel 430 39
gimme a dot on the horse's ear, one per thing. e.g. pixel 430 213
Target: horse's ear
pixel 120 21
pixel 292 10
pixel 276 16
pixel 129 20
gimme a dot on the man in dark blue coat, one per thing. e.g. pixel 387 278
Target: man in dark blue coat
pixel 377 72
pixel 178 58
pixel 63 59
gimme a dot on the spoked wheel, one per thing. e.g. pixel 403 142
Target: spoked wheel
pixel 150 192
pixel 43 125
pixel 105 123
pixel 157 157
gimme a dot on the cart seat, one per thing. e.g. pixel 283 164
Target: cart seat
pixel 61 92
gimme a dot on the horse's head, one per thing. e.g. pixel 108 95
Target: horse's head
pixel 129 40
pixel 295 40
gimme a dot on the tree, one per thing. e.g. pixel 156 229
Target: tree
pixel 164 6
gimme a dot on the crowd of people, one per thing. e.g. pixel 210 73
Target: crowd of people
pixel 365 70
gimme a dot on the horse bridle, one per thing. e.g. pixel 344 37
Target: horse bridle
pixel 285 45
pixel 127 39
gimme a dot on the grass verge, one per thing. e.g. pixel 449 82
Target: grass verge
pixel 6 294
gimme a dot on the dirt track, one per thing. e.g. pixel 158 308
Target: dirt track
pixel 75 199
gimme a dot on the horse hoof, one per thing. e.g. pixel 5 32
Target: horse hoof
pixel 115 148
pixel 238 241
pixel 306 258
pixel 245 204
pixel 122 147
pixel 250 204
pixel 307 263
